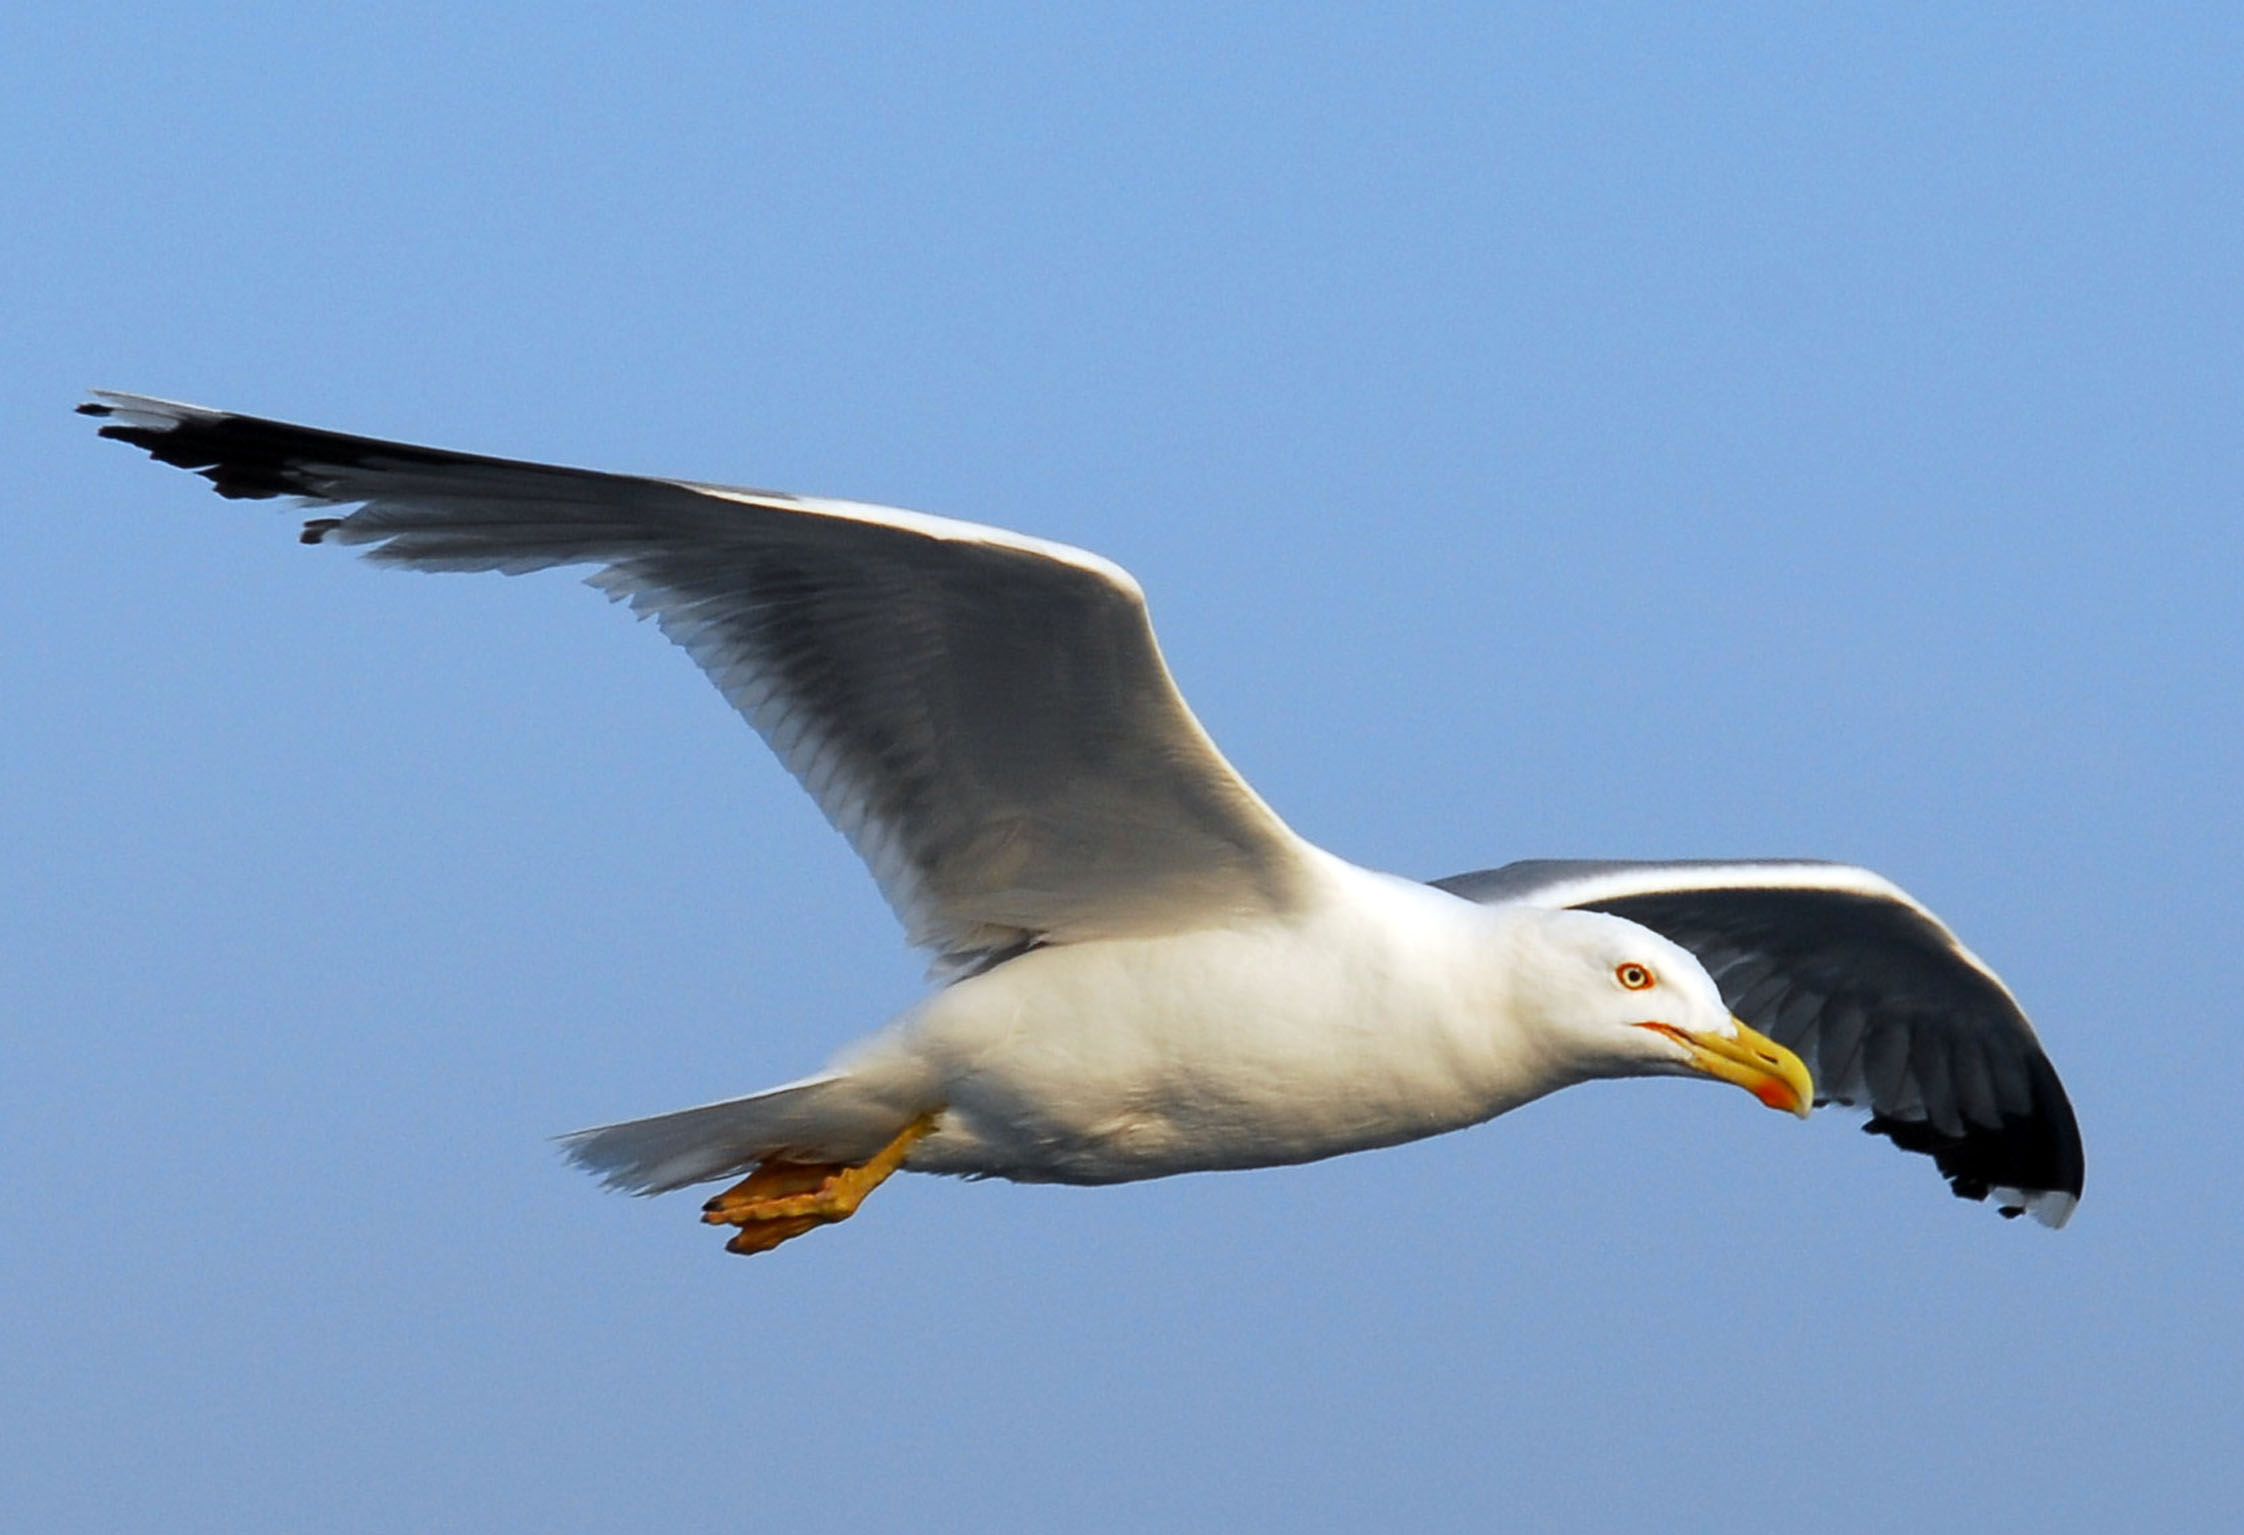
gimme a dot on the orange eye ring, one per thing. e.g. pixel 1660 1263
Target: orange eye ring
pixel 1634 976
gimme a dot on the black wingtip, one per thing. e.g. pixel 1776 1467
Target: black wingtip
pixel 2037 1153
pixel 243 457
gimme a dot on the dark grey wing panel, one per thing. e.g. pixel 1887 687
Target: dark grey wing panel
pixel 985 716
pixel 1870 990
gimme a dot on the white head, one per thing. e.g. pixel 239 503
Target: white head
pixel 1619 1000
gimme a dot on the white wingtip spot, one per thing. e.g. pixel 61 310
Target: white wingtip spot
pixel 2051 1207
pixel 147 412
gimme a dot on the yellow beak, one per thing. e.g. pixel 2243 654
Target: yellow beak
pixel 1753 1061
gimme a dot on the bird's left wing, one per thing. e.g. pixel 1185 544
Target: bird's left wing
pixel 984 715
pixel 1870 989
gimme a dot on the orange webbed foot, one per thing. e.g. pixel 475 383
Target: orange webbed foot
pixel 781 1200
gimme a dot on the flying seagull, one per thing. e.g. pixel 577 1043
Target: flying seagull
pixel 1140 970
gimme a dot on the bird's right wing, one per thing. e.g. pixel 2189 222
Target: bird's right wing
pixel 984 715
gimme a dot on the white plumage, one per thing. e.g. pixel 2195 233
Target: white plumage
pixel 1377 1011
pixel 1143 970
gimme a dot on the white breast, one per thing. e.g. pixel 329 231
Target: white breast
pixel 1375 1017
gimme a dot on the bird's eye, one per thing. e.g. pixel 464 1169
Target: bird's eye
pixel 1634 976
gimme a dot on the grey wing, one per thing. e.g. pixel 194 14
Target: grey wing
pixel 985 716
pixel 1872 991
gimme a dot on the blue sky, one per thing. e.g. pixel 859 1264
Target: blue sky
pixel 1572 431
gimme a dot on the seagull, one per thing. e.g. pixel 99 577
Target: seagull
pixel 1137 968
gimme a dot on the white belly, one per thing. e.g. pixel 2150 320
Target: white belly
pixel 1249 1046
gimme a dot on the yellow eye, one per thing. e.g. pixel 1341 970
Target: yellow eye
pixel 1634 976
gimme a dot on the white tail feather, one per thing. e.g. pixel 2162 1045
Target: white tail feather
pixel 819 1119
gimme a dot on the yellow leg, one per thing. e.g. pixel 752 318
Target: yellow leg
pixel 782 1200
